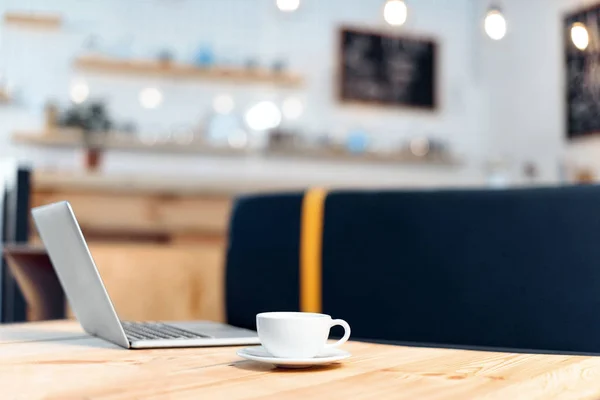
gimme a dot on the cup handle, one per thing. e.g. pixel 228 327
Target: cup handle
pixel 343 340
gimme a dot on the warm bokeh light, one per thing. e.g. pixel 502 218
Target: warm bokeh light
pixel 395 12
pixel 223 104
pixel 495 24
pixel 580 36
pixel 288 5
pixel 263 116
pixel 292 108
pixel 150 98
pixel 420 146
pixel 238 139
pixel 182 135
pixel 79 91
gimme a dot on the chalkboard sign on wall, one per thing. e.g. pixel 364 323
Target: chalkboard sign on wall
pixel 387 69
pixel 583 75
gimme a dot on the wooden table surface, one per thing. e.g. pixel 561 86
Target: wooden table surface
pixel 56 360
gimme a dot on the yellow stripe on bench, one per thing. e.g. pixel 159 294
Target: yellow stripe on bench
pixel 311 254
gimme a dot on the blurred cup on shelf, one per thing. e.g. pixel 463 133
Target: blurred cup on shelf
pixel 238 139
pixel 182 134
pixel 50 117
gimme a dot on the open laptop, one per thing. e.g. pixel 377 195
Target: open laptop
pixel 80 279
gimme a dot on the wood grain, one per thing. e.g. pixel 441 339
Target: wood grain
pixel 175 283
pixel 84 367
pixel 40 331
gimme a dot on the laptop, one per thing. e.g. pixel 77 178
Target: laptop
pixel 83 286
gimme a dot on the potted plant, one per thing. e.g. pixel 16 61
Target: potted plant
pixel 94 124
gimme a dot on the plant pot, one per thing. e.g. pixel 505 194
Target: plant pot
pixel 92 159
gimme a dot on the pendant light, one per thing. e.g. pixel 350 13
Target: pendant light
pixel 580 35
pixel 495 24
pixel 288 5
pixel 395 12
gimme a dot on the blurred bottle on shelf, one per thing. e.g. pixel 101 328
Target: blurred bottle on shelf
pixel 279 66
pixel 50 118
pixel 165 57
pixel 283 141
pixel 357 141
pixel 182 134
pixel 252 64
pixel 91 46
pixel 204 57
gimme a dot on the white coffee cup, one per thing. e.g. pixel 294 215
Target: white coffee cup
pixel 297 334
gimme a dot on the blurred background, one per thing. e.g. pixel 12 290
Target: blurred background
pixel 151 116
pixel 206 88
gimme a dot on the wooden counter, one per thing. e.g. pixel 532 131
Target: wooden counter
pixel 159 245
pixel 126 208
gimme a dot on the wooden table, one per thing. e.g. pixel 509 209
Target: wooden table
pixel 56 360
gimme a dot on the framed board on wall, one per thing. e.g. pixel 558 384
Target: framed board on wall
pixel 582 75
pixel 386 69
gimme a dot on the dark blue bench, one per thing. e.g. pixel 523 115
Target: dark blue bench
pixel 503 269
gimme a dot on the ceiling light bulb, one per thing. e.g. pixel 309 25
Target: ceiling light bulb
pixel 263 116
pixel 79 92
pixel 580 36
pixel 495 24
pixel 150 98
pixel 288 5
pixel 292 108
pixel 223 104
pixel 395 12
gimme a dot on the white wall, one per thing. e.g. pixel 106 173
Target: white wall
pixel 523 79
pixel 39 64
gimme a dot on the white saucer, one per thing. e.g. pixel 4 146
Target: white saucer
pixel 260 354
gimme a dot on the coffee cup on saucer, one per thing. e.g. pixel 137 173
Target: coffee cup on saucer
pixel 297 335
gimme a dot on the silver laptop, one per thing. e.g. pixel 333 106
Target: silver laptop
pixel 89 300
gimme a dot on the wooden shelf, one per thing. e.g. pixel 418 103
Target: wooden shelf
pixel 333 155
pixel 74 138
pixel 33 20
pixel 185 71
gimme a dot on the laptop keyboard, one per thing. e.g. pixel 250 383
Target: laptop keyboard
pixel 156 331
